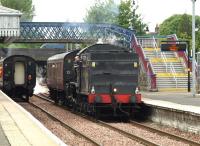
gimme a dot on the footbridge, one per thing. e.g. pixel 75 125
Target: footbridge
pixel 64 32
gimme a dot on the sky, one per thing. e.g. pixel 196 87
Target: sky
pixel 152 11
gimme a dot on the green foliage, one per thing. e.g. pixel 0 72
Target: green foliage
pixel 108 12
pixel 181 25
pixel 102 12
pixel 25 6
pixel 21 45
pixel 128 17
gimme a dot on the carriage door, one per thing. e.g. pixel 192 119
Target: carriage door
pixel 19 75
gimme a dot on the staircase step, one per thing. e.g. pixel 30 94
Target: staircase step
pixel 171 75
pixel 173 89
pixel 165 79
pixel 151 49
pixel 155 60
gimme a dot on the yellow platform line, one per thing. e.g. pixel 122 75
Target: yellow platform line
pixel 151 49
pixel 155 60
pixel 171 75
pixel 173 90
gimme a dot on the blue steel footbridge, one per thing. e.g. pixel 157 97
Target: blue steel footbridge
pixel 64 32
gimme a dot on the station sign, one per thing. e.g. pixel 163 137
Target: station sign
pixel 173 47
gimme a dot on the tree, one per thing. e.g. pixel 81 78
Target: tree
pixel 25 6
pixel 128 17
pixel 181 25
pixel 102 12
pixel 123 14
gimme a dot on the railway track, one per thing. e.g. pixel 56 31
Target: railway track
pixel 172 136
pixel 136 124
pixel 64 124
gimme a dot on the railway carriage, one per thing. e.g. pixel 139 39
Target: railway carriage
pixel 60 72
pixel 18 76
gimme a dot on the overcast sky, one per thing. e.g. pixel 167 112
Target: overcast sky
pixel 153 11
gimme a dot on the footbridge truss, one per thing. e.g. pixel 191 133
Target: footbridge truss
pixel 63 32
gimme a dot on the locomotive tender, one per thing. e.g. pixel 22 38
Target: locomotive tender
pixel 100 79
pixel 18 76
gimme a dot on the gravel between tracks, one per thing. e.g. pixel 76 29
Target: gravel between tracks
pixel 101 134
pixel 175 131
pixel 153 137
pixel 65 135
pixel 108 137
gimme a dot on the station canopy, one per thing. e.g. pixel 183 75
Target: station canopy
pixel 9 22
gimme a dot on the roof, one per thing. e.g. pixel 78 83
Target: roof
pixel 11 56
pixel 102 48
pixel 58 56
pixel 62 55
pixel 9 11
pixel 36 53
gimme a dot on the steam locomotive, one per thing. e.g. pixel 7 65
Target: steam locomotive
pixel 101 80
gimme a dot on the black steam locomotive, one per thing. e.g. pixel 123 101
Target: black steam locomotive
pixel 101 79
pixel 18 76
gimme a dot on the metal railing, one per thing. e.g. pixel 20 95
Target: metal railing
pixel 140 44
pixel 163 56
pixel 151 76
pixel 155 46
pixel 65 32
pixel 173 71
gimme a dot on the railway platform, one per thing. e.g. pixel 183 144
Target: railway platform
pixel 178 110
pixel 182 101
pixel 20 128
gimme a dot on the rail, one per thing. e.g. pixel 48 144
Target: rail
pixel 65 125
pixel 102 123
pixel 136 124
pixel 172 136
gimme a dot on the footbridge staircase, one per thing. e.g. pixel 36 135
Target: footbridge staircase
pixel 166 71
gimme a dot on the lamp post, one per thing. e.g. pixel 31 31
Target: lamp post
pixel 193 49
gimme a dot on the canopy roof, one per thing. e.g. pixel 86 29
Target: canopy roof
pixel 9 11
